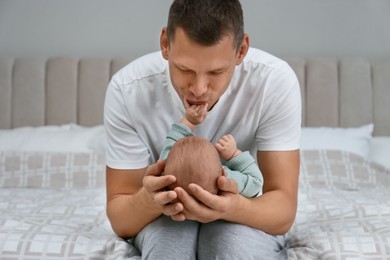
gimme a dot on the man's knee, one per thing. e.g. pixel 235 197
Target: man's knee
pixel 167 238
pixel 225 240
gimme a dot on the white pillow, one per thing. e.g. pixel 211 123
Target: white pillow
pixel 65 138
pixel 380 150
pixel 355 140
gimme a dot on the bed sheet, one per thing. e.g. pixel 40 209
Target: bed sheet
pixel 344 208
pixel 52 224
pixel 53 207
pixel 343 211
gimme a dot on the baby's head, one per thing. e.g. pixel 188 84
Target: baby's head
pixel 194 159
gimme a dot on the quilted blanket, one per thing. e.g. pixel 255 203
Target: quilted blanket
pixel 344 208
pixel 53 207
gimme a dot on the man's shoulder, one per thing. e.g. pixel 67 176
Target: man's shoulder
pixel 145 66
pixel 263 58
pixel 267 64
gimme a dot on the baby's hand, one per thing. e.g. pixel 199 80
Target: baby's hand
pixel 227 147
pixel 196 114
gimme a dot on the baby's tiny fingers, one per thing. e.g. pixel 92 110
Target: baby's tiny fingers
pixel 222 142
pixel 226 138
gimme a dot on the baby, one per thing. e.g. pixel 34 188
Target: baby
pixel 194 159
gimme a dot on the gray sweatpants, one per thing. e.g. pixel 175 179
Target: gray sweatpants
pixel 168 239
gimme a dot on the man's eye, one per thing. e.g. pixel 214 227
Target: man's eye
pixel 184 70
pixel 218 72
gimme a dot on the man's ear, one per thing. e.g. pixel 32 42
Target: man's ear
pixel 243 49
pixel 164 44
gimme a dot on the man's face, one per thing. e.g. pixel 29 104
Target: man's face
pixel 200 74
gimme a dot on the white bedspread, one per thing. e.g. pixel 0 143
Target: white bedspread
pixel 344 209
pixel 47 224
pixel 68 222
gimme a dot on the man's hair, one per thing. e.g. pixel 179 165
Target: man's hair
pixel 207 21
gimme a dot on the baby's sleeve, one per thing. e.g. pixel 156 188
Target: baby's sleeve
pixel 177 132
pixel 244 170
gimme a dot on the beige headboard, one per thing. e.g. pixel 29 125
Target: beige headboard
pixel 345 93
pixel 34 92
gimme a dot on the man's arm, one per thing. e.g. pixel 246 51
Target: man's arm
pixel 135 198
pixel 273 212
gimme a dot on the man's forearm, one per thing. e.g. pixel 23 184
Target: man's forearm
pixel 129 214
pixel 273 212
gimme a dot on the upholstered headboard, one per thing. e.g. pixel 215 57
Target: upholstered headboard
pixel 55 91
pixel 34 92
pixel 345 93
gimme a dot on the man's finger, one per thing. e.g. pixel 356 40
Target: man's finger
pixel 155 183
pixel 178 217
pixel 165 197
pixel 203 196
pixel 188 201
pixel 172 209
pixel 156 169
pixel 227 185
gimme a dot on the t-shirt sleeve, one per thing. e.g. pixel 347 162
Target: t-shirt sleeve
pixel 280 124
pixel 124 148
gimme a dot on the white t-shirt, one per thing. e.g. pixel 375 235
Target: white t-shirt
pixel 261 109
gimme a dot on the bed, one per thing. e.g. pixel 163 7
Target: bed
pixel 52 168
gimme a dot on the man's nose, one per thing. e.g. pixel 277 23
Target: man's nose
pixel 199 86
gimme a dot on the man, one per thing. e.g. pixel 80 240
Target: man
pixel 205 59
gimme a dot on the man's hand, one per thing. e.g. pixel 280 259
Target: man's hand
pixel 156 184
pixel 227 147
pixel 205 207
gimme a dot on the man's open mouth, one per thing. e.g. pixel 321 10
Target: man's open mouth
pixel 196 103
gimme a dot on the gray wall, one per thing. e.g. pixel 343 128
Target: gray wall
pixel 123 28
